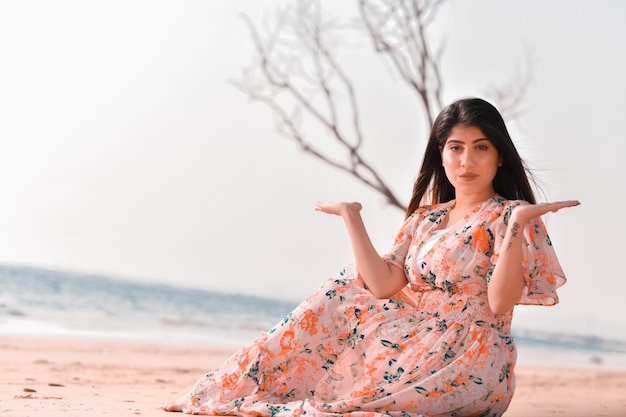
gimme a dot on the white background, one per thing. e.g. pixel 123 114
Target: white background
pixel 124 149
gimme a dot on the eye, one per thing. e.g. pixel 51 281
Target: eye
pixel 482 147
pixel 454 148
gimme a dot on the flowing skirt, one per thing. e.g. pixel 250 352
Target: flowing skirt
pixel 344 352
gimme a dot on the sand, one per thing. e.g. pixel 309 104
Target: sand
pixel 51 377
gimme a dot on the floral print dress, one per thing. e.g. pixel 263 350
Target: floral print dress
pixel 434 349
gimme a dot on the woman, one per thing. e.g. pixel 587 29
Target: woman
pixel 425 329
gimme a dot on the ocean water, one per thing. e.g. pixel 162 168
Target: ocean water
pixel 54 303
pixel 47 302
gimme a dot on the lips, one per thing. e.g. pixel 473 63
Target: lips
pixel 468 176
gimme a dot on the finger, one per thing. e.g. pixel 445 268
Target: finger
pixel 558 205
pixel 569 203
pixel 322 207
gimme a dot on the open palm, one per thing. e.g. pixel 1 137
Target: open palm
pixel 530 211
pixel 337 208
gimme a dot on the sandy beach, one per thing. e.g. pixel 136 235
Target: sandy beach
pixel 84 377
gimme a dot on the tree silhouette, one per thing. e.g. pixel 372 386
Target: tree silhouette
pixel 297 73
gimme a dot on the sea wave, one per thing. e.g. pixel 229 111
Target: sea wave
pixel 55 303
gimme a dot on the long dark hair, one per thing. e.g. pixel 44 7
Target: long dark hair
pixel 432 185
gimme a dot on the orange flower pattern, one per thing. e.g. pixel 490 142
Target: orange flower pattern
pixel 434 349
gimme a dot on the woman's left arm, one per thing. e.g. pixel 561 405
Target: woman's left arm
pixel 507 281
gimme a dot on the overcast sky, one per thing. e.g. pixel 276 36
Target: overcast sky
pixel 125 151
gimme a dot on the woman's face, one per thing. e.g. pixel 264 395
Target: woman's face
pixel 470 161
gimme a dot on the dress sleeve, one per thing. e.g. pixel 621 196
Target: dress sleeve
pixel 540 266
pixel 400 248
pixel 542 271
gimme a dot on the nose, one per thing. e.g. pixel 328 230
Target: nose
pixel 466 158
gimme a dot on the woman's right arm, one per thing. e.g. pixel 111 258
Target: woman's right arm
pixel 382 279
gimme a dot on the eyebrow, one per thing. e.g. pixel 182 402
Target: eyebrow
pixel 460 141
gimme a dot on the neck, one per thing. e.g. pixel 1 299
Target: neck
pixel 466 201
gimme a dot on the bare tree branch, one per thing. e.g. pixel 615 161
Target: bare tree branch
pixel 314 91
pixel 511 95
pixel 297 74
pixel 397 29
